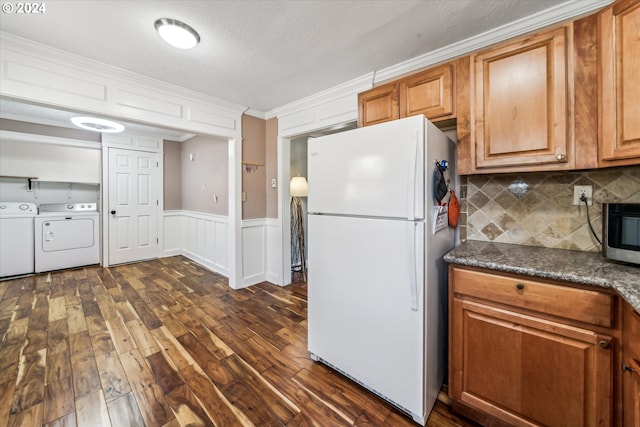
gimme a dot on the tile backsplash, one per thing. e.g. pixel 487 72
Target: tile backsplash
pixel 536 209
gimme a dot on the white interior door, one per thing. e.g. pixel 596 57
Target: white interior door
pixel 133 205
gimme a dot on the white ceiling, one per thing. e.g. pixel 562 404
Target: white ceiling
pixel 264 54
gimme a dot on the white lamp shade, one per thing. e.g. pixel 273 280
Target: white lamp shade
pixel 298 187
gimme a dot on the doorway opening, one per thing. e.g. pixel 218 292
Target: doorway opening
pixel 294 242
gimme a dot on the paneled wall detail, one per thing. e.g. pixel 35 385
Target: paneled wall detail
pixel 34 72
pixel 254 256
pixel 328 108
pixel 199 237
pixel 274 252
pixel 204 238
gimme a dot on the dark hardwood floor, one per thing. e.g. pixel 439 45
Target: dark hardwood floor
pixel 168 343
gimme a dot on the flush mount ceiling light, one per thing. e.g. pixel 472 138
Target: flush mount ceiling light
pixel 176 33
pixel 97 125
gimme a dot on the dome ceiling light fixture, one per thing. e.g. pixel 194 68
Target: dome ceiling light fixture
pixel 177 33
pixel 97 125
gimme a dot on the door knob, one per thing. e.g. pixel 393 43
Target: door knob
pixel 113 212
pixel 604 344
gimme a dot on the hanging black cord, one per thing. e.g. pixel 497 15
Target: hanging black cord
pixel 584 199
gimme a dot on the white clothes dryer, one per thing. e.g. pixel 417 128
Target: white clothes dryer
pixel 67 235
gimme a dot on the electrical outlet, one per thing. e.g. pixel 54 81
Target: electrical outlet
pixel 579 190
pixel 273 183
pixel 244 196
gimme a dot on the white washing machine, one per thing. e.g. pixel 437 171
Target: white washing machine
pixel 67 235
pixel 16 238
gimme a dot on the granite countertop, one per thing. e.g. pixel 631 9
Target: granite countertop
pixel 585 268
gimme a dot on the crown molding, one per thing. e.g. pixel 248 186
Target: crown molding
pixel 570 10
pixel 256 113
pixel 350 87
pixel 11 42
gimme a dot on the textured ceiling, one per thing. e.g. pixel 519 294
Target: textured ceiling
pixel 264 53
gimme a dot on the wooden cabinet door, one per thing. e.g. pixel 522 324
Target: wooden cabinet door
pixel 631 361
pixel 522 106
pixel 528 371
pixel 378 105
pixel 619 137
pixel 430 93
pixel 631 397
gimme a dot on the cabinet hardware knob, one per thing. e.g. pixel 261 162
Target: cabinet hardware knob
pixel 561 157
pixel 604 344
pixel 519 286
pixel 627 368
pixel 113 212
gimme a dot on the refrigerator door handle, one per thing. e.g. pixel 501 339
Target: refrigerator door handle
pixel 411 181
pixel 412 229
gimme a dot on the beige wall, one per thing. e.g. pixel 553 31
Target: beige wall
pixel 172 175
pixel 545 215
pixel 253 180
pixel 271 167
pixel 206 176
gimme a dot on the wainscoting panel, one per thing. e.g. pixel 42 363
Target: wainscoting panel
pixel 204 238
pixel 274 252
pixel 254 238
pixel 174 227
pixel 198 236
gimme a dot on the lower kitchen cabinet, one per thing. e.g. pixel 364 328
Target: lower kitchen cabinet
pixel 631 366
pixel 530 353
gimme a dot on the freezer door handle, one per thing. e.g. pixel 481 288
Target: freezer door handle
pixel 411 182
pixel 412 229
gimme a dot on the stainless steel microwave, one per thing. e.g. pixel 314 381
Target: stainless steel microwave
pixel 621 232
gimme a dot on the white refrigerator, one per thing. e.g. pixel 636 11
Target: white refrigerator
pixel 377 283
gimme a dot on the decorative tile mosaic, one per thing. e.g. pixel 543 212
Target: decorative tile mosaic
pixel 536 209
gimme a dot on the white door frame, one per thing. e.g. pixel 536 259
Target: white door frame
pixel 153 249
pixel 105 199
pixel 284 216
pixel 284 172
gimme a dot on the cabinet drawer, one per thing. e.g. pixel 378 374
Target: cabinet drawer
pixel 570 303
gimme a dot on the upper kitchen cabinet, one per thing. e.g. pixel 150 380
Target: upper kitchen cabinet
pixel 619 48
pixel 521 105
pixel 430 92
pixel 378 105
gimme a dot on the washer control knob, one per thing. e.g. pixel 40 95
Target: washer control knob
pixel 69 206
pixel 24 207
